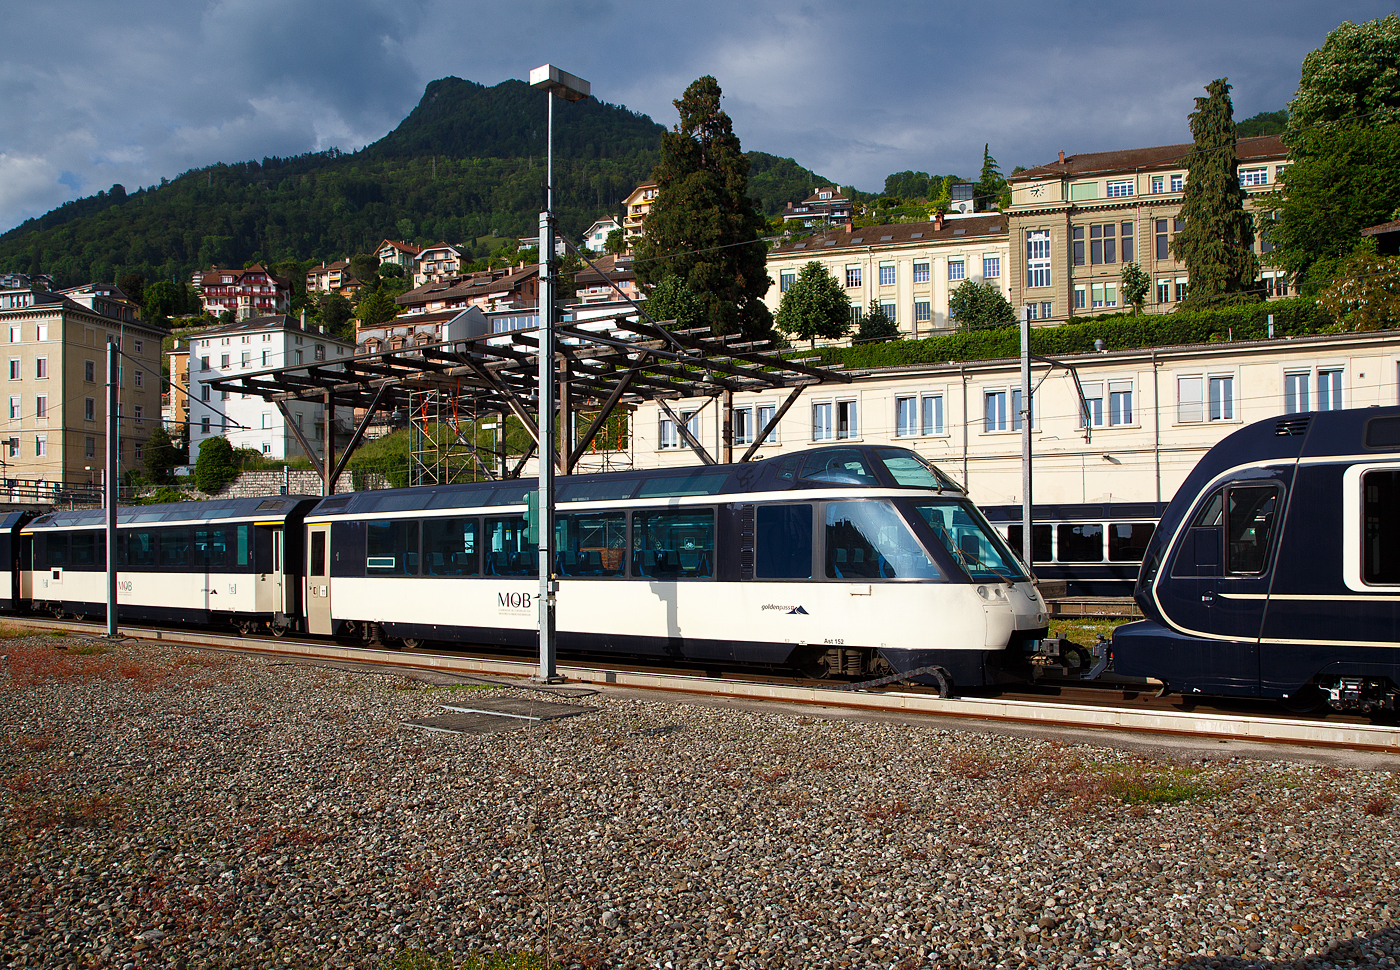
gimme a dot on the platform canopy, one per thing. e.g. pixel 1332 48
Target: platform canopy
pixel 603 363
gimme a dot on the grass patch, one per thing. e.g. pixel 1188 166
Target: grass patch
pixel 1160 788
pixel 55 633
pixel 91 648
pixel 1083 630
pixel 423 960
pixel 463 687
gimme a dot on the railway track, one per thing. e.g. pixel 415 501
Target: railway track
pixel 1113 708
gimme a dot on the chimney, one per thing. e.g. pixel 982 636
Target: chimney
pixel 849 225
pixel 937 222
pixel 1062 156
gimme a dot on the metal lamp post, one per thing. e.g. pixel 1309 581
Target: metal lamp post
pixel 556 84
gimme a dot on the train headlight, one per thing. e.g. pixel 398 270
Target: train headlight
pixel 992 594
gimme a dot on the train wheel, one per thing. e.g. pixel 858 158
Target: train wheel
pixel 245 627
pixel 412 643
pixel 57 612
pixel 279 631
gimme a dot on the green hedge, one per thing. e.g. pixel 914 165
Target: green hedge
pixel 1120 331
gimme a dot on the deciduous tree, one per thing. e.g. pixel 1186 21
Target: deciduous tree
pixel 1365 293
pixel 815 305
pixel 215 467
pixel 977 303
pixel 1217 243
pixel 672 300
pixel 703 227
pixel 1136 283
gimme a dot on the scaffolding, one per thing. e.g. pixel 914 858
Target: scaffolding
pixel 445 437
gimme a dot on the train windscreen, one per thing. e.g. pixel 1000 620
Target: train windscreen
pixel 911 470
pixel 971 541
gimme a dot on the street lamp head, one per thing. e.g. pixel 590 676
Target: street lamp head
pixel 559 83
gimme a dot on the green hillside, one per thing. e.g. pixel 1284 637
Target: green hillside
pixel 467 162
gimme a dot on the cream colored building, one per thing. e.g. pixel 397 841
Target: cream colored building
pixel 635 208
pixel 1075 222
pixel 911 267
pixel 54 424
pixel 1152 413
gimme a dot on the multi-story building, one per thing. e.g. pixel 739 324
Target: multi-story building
pixel 910 268
pixel 400 254
pixel 247 421
pixel 489 289
pixel 613 273
pixel 175 406
pixel 55 419
pixel 595 238
pixel 247 292
pixel 1078 220
pixel 1150 416
pixel 437 263
pixel 635 208
pixel 330 278
pixel 826 205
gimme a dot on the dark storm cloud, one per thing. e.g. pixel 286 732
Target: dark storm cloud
pixel 93 93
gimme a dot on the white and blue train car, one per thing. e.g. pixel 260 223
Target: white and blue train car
pixel 845 560
pixel 234 561
pixel 1275 571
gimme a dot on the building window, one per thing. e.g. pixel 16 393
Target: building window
pixel 320 352
pixel 906 416
pixel 1119 188
pixel 204 363
pixel 41 332
pixel 299 353
pixel 223 394
pixel 1329 390
pixel 15 407
pixel 1181 287
pixel 204 425
pixel 1295 392
pixel 997 417
pixel 1104 295
pixel 923 311
pixel 264 358
pixel 1278 172
pixel 139 379
pixel 1120 403
pixel 204 392
pixel 139 413
pixel 1159 184
pixel 1091 408
pixel 921 274
pixel 247 358
pixel 41 445
pixel 1079 297
pixel 1163 250
pixel 931 414
pixel 857 312
pixel 1047 310
pixel 1038 258
pixel 890 310
pixel 89 447
pixel 821 422
pixel 1178 182
pixel 887 275
pixel 41 406
pixel 847 425
pixel 670 436
pixel 1164 291
pixel 89 409
pixel 1032 311
pixel 1222 398
pixel 1103 246
pixel 12 448
pixel 1077 244
pixel 267 419
pixel 90 371
pixel 957 269
pixel 765 414
pixel 1254 176
pixel 41 368
pixel 785 280
pixel 741 426
pixel 15 335
pixel 223 361
pixel 991 267
pixel 852 277
pixel 1125 247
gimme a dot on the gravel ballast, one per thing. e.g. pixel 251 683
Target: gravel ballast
pixel 162 807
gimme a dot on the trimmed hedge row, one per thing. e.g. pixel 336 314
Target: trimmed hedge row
pixel 1121 331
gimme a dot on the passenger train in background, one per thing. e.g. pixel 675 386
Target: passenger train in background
pixel 1275 571
pixel 850 561
pixel 1088 550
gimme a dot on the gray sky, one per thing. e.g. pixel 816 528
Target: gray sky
pixel 94 92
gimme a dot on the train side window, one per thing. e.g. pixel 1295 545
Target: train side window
pixel 674 545
pixel 1041 538
pixel 243 559
pixel 870 540
pixel 450 547
pixel 174 548
pixel 83 550
pixel 509 551
pixel 141 548
pixel 591 544
pixel 210 547
pixel 784 541
pixel 1249 524
pixel 1127 541
pixel 1381 524
pixel 391 547
pixel 56 549
pixel 1081 542
pixel 318 553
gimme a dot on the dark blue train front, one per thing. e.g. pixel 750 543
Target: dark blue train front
pixel 1275 572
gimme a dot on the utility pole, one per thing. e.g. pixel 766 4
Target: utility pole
pixel 109 484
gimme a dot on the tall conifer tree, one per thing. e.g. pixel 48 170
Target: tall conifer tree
pixel 1217 243
pixel 703 227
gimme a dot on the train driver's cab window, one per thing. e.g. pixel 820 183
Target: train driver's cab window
pixel 508 549
pixel 391 548
pixel 977 547
pixel 912 471
pixel 783 540
pixel 1380 543
pixel 1231 533
pixel 591 544
pixel 450 547
pixel 871 540
pixel 673 545
pixel 841 466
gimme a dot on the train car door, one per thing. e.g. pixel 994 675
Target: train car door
pixel 267 555
pixel 318 586
pixel 1219 585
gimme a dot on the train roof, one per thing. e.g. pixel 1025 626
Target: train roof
pixel 858 466
pixel 260 509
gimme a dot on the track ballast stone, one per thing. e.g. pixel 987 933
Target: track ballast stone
pixel 170 808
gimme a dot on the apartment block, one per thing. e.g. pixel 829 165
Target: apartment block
pixel 1077 221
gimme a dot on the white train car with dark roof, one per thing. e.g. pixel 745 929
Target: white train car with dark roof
pixel 846 560
pixel 231 561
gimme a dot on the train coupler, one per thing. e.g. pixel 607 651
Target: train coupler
pixel 1361 694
